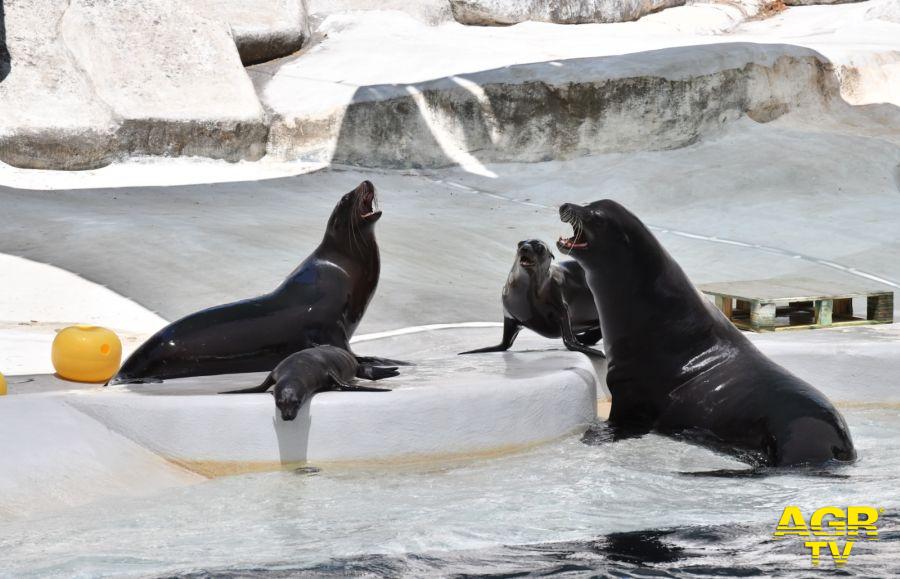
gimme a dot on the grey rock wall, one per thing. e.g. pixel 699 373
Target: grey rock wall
pixel 93 81
pixel 504 12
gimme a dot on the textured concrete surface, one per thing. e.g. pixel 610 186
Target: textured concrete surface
pixel 508 89
pixel 407 104
pixel 52 457
pixel 50 118
pixel 92 82
pixel 812 2
pixel 177 90
pixel 557 110
pixel 505 12
pixel 262 29
pixel 179 249
pixel 429 11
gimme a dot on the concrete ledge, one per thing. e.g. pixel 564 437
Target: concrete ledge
pixel 262 29
pixel 653 100
pixel 92 82
pixel 457 406
pixel 506 12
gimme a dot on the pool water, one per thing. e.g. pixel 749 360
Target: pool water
pixel 622 508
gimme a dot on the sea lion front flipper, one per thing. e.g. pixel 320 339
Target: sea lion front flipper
pixel 376 361
pixel 266 384
pixel 375 372
pixel 344 386
pixel 510 330
pixel 571 341
pixel 590 337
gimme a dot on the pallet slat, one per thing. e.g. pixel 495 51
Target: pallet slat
pixel 805 303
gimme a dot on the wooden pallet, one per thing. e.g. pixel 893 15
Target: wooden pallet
pixel 798 303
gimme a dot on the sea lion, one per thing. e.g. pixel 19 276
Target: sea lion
pixel 551 300
pixel 678 366
pixel 320 303
pixel 302 374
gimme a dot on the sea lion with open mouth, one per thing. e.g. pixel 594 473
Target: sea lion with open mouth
pixel 302 374
pixel 678 366
pixel 321 302
pixel 551 300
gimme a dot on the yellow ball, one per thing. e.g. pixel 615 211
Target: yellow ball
pixel 2 385
pixel 86 353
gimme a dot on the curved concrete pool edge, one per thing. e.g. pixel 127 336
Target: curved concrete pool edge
pixel 487 415
pixel 61 449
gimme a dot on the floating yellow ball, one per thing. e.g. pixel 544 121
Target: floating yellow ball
pixel 86 353
pixel 2 385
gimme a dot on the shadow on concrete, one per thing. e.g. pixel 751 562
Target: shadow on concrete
pixel 5 61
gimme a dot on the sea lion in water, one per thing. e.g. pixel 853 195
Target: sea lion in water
pixel 321 302
pixel 302 374
pixel 551 300
pixel 678 366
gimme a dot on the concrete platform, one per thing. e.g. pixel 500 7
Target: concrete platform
pixel 439 409
pixel 447 406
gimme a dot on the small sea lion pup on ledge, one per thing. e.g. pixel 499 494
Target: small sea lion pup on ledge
pixel 678 366
pixel 302 374
pixel 320 302
pixel 551 300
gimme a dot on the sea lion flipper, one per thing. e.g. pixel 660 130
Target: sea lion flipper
pixel 266 384
pixel 376 361
pixel 368 372
pixel 590 337
pixel 511 329
pixel 571 341
pixel 345 386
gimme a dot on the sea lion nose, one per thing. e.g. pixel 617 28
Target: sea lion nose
pixel 566 210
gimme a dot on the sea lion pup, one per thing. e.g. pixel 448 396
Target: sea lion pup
pixel 678 366
pixel 302 374
pixel 320 302
pixel 551 300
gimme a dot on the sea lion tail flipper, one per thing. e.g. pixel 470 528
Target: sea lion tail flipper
pixel 376 361
pixel 376 372
pixel 510 330
pixel 343 385
pixel 266 384
pixel 497 348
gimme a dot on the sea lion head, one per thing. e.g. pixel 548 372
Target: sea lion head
pixel 533 256
pixel 603 231
pixel 351 223
pixel 288 400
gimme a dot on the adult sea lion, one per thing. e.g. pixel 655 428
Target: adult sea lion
pixel 302 374
pixel 551 300
pixel 678 366
pixel 321 302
